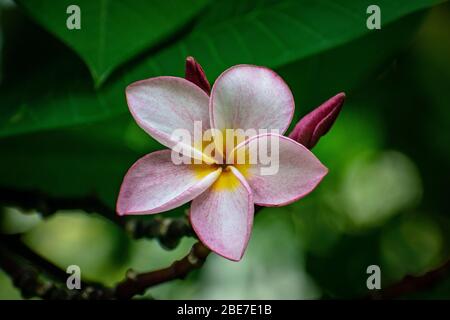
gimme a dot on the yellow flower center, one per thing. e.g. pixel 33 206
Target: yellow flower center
pixel 220 148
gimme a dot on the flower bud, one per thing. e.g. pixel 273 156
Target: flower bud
pixel 195 74
pixel 318 122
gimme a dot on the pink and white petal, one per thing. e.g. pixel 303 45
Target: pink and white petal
pixel 155 184
pixel 251 97
pixel 222 217
pixel 164 104
pixel 299 171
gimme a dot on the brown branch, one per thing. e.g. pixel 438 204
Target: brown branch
pixel 26 268
pixel 135 284
pixel 14 244
pixel 47 205
pixel 412 284
pixel 167 231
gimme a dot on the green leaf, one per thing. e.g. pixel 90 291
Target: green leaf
pixel 112 32
pixel 274 33
pixel 53 90
pixel 85 161
pixel 94 157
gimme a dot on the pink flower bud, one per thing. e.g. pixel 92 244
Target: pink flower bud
pixel 318 122
pixel 195 74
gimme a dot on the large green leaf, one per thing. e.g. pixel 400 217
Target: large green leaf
pixel 274 32
pixel 56 93
pixel 95 157
pixel 85 161
pixel 51 90
pixel 112 31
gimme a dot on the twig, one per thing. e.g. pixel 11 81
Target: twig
pixel 412 284
pixel 135 284
pixel 168 231
pixel 48 205
pixel 26 267
pixel 14 244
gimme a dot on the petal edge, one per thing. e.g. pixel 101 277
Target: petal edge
pixel 299 173
pixel 154 184
pixel 223 219
pixel 251 97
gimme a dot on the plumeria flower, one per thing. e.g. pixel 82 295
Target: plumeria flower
pixel 223 195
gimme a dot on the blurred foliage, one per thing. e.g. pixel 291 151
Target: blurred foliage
pixel 108 43
pixel 287 29
pixel 376 187
pixel 65 131
pixel 14 221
